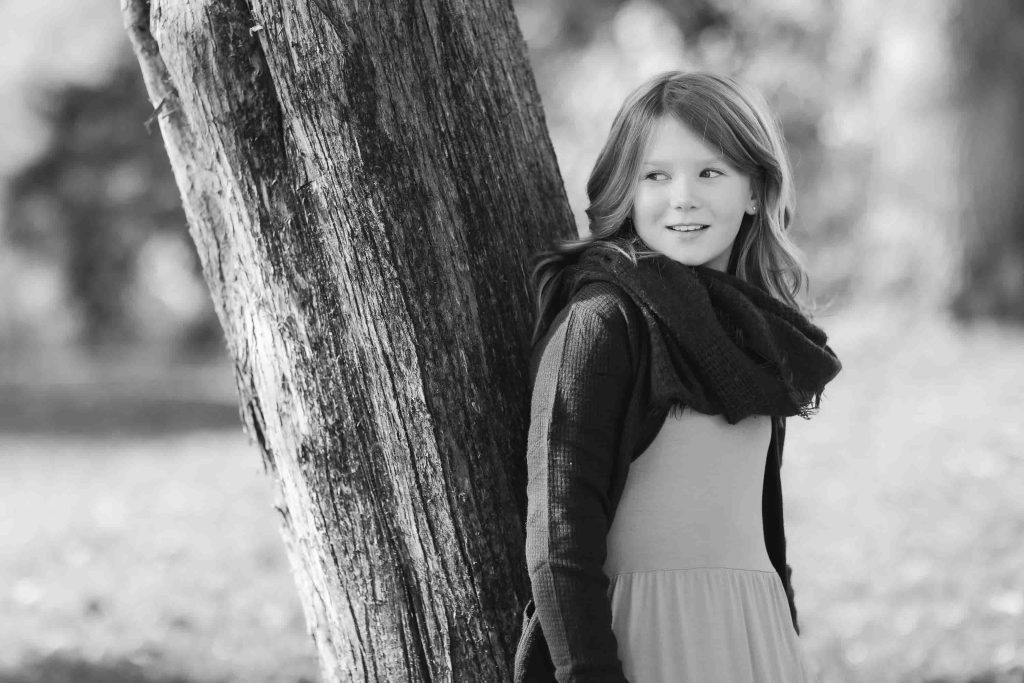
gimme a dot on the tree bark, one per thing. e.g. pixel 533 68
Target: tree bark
pixel 364 183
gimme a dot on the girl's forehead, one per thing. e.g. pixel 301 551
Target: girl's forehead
pixel 671 139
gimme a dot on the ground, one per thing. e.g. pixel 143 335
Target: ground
pixel 140 545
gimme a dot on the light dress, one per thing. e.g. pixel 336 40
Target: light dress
pixel 694 597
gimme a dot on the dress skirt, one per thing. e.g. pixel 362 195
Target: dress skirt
pixel 693 594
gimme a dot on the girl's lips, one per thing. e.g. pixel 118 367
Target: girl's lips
pixel 687 227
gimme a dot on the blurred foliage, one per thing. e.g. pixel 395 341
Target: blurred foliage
pixel 94 198
pixel 863 88
pixel 988 40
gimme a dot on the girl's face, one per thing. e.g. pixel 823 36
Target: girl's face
pixel 689 202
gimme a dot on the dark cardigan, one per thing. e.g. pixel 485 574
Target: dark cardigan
pixel 589 418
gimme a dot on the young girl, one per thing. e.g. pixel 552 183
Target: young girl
pixel 668 350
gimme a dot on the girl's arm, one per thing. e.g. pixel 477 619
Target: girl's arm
pixel 580 395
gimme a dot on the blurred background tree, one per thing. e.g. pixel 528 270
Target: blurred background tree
pixel 101 204
pixel 988 44
pixel 93 243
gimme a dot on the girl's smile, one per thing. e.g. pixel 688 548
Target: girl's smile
pixel 687 227
pixel 689 201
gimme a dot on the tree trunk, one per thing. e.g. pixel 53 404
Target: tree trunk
pixel 364 184
pixel 990 84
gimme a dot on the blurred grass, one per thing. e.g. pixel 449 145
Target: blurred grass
pixel 147 554
pixel 153 556
pixel 905 501
pixel 160 551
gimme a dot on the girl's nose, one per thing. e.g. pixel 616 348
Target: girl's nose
pixel 682 196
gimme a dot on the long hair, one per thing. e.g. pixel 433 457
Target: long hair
pixel 735 119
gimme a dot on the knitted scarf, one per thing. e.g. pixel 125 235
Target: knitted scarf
pixel 719 345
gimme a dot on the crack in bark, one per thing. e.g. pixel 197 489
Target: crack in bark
pixel 263 66
pixel 257 425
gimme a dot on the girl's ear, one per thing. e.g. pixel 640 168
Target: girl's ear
pixel 752 206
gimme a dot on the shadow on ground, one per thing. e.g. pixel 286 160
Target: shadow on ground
pixel 1014 675
pixel 64 669
pixel 131 392
pixel 87 411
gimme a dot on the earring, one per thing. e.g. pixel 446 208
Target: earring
pixel 753 208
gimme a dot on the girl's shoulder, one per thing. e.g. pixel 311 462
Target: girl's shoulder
pixel 599 319
pixel 607 302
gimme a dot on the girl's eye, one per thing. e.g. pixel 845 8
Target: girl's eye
pixel 706 171
pixel 655 175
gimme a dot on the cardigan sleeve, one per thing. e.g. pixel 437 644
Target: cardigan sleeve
pixel 580 395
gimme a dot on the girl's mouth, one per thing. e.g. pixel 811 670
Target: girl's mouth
pixel 688 227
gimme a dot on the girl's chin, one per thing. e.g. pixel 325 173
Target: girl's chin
pixel 688 258
pixel 685 259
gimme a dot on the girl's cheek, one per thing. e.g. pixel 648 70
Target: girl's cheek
pixel 650 196
pixel 644 204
